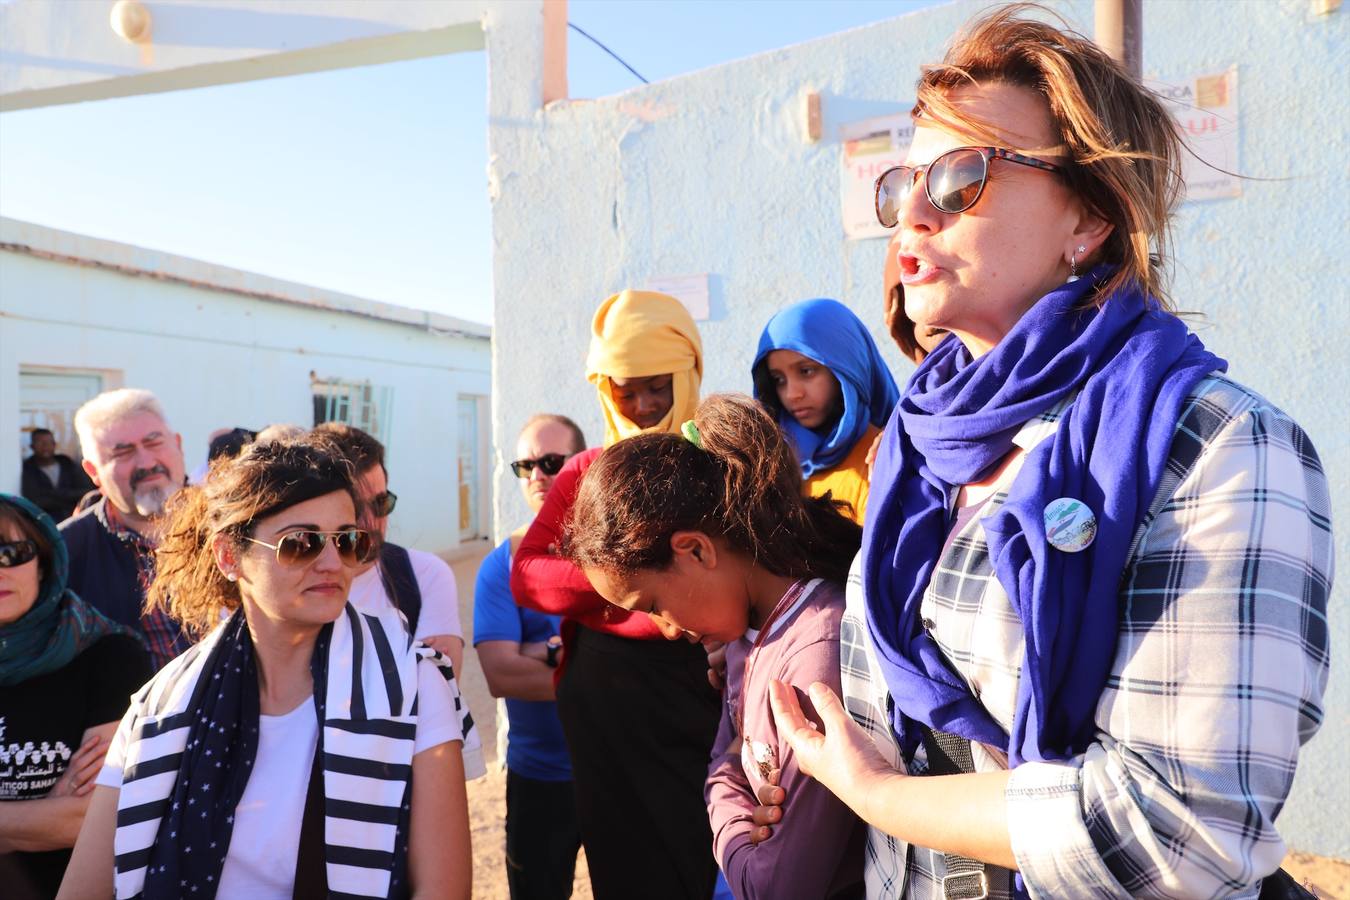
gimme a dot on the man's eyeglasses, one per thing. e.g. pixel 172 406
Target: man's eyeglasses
pixel 16 553
pixel 383 503
pixel 549 464
pixel 953 182
pixel 354 546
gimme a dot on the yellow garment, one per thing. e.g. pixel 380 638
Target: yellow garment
pixel 637 334
pixel 847 481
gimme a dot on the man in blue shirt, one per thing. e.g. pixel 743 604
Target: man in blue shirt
pixel 519 651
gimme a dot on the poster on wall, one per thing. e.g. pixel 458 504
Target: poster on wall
pixel 870 147
pixel 1206 108
pixel 691 290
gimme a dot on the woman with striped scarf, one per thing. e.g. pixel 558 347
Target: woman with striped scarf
pixel 301 748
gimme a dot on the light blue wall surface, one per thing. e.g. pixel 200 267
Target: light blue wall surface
pixel 712 172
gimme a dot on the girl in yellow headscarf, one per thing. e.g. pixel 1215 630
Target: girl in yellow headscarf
pixel 646 362
pixel 638 712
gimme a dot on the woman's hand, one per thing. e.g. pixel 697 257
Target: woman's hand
pixel 843 757
pixel 78 778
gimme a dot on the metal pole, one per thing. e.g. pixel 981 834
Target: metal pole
pixel 1120 32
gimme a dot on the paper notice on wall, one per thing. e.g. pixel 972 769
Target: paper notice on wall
pixel 691 290
pixel 870 147
pixel 1206 108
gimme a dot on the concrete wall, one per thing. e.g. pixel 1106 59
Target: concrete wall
pixel 217 357
pixel 712 172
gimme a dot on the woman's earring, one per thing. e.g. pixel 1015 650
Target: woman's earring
pixel 1073 263
pixel 231 577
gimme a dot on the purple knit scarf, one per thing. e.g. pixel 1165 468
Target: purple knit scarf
pixel 1133 366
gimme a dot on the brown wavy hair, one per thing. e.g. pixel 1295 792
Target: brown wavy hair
pixel 743 485
pixel 362 449
pixel 1121 147
pixel 263 480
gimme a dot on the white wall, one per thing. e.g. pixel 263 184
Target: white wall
pixel 217 358
pixel 711 172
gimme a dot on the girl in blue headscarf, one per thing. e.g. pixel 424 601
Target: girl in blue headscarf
pixel 819 372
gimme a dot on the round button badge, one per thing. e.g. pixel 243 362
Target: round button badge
pixel 1069 525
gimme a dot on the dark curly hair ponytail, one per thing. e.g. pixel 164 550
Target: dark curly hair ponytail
pixel 743 485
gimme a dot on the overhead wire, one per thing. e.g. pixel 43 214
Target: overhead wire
pixel 578 29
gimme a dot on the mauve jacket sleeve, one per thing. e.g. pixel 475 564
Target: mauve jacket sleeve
pixel 543 581
pixel 804 855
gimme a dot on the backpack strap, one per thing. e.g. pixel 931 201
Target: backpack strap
pixel 400 583
pixel 949 754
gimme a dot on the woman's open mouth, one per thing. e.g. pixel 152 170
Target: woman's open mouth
pixel 916 271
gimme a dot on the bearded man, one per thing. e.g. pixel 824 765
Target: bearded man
pixel 136 460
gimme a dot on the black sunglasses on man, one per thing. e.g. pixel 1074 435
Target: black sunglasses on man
pixel 550 464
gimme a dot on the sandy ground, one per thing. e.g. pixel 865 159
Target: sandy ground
pixel 1330 878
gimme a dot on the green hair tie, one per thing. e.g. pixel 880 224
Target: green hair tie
pixel 690 432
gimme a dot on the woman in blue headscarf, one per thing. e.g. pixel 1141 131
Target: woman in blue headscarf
pixel 66 675
pixel 819 372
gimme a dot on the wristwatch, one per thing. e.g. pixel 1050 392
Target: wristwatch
pixel 554 644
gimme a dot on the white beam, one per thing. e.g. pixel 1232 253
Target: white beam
pixel 53 53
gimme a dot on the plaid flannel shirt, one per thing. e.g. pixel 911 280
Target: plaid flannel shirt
pixel 1221 663
pixel 164 639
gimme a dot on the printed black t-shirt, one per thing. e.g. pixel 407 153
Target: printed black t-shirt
pixel 43 720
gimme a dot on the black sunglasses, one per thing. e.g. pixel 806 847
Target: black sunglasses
pixel 354 546
pixel 953 182
pixel 383 504
pixel 549 464
pixel 16 553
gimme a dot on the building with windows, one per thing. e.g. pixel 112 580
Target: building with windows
pixel 224 348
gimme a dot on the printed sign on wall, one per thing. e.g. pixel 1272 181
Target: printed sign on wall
pixel 870 147
pixel 691 290
pixel 1206 108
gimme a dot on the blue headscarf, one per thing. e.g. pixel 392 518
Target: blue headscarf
pixel 1132 366
pixel 59 626
pixel 828 332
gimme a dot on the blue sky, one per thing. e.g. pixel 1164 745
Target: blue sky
pixel 370 181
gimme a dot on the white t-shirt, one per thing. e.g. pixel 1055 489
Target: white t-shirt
pixel 265 842
pixel 440 600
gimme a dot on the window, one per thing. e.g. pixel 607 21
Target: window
pixel 356 403
pixel 48 398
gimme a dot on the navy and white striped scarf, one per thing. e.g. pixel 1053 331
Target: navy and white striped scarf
pixel 195 735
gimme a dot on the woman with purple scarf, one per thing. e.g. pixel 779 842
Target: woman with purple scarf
pixel 1093 586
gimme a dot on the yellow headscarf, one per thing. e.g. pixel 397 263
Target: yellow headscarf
pixel 637 334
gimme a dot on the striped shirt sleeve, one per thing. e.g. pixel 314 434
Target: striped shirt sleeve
pixel 1221 664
